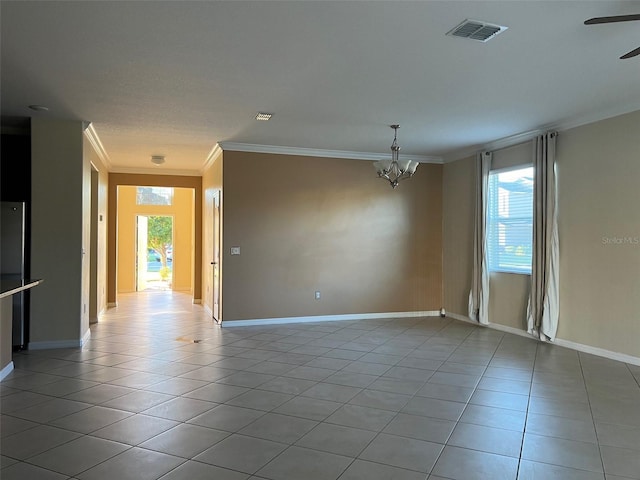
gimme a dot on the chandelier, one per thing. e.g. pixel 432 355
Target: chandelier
pixel 395 170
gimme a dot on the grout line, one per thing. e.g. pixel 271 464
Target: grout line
pixel 526 413
pixel 152 369
pixel 593 420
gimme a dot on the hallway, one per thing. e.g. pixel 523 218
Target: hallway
pixel 162 392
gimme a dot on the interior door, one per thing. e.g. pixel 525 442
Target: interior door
pixel 141 252
pixel 215 263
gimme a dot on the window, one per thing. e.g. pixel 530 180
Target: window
pixel 154 195
pixel 510 220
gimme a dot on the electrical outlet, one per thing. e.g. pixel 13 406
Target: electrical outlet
pixel 317 295
pixel 235 250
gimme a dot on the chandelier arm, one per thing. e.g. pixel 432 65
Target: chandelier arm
pixel 395 171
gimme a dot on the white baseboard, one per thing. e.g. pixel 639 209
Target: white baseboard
pixel 53 344
pixel 329 318
pixel 513 330
pixel 112 304
pixel 580 347
pixel 462 318
pixel 207 309
pixel 197 301
pixel 8 368
pixel 85 337
pixel 50 345
pixel 599 352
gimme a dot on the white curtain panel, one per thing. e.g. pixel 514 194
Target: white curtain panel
pixel 544 307
pixel 479 295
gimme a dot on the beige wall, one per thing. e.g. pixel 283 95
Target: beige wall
pixel 6 327
pixel 100 224
pixel 98 232
pixel 211 185
pixel 509 294
pixel 86 239
pixel 599 199
pixel 181 210
pixel 57 232
pixel 458 187
pixel 117 179
pixel 330 225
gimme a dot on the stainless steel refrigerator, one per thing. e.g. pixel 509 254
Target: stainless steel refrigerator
pixel 12 260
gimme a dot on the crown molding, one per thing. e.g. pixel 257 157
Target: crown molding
pixel 215 152
pixel 315 152
pixel 591 118
pixel 95 142
pixel 519 138
pixel 499 144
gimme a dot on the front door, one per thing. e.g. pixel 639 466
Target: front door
pixel 141 252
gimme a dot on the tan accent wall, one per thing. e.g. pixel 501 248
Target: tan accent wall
pixel 509 294
pixel 330 225
pixel 599 228
pixel 57 232
pixel 116 179
pixel 211 184
pixel 181 210
pixel 458 187
pixel 599 202
pixel 516 156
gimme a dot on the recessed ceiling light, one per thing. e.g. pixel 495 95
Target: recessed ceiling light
pixel 157 159
pixel 263 116
pixel 39 108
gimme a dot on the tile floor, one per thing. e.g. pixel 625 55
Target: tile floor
pixel 406 399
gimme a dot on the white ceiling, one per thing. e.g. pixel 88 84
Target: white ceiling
pixel 175 78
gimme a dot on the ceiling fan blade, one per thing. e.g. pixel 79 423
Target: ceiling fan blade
pixel 632 53
pixel 614 19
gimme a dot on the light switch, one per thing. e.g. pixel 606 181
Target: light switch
pixel 235 250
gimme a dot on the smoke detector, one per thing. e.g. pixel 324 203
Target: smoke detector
pixel 476 30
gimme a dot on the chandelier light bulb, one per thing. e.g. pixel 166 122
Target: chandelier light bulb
pixel 395 170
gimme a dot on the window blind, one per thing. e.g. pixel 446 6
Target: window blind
pixel 510 220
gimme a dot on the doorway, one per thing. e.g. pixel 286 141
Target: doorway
pixel 186 207
pixel 154 252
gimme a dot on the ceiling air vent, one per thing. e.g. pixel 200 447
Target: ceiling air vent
pixel 476 30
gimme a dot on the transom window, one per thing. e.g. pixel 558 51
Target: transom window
pixel 154 195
